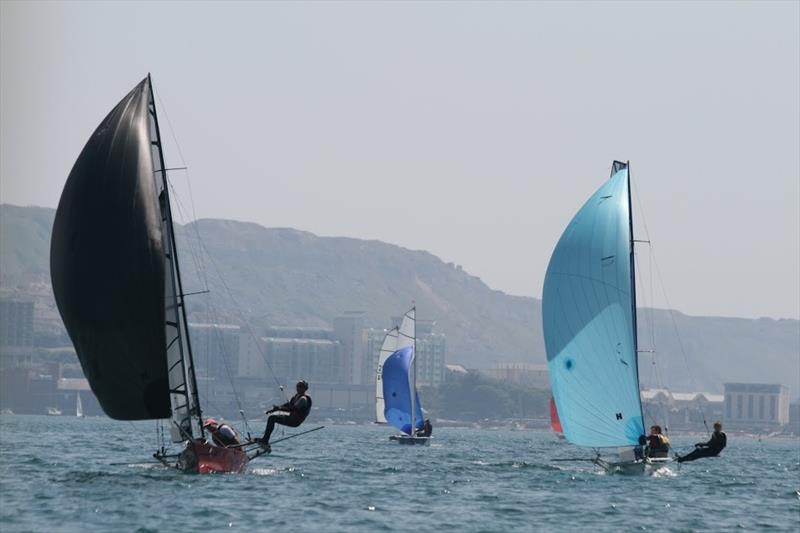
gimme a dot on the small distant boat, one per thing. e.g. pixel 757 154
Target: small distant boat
pixel 6 411
pixel 54 411
pixel 397 402
pixel 117 284
pixel 589 321
pixel 78 406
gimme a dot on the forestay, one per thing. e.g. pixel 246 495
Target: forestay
pixel 589 322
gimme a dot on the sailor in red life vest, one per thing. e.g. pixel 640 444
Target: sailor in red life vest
pixel 222 434
pixel 291 414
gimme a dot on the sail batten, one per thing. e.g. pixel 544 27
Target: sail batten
pixel 589 322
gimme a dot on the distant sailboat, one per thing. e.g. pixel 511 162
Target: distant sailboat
pixel 589 320
pixel 117 284
pixel 78 406
pixel 397 377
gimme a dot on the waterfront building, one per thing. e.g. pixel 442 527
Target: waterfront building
pixel 527 375
pixel 348 331
pixel 289 358
pixel 682 410
pixel 756 406
pixel 16 331
pixel 216 349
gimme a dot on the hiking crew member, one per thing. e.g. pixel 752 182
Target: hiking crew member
pixel 426 430
pixel 222 434
pixel 657 443
pixel 291 414
pixel 715 444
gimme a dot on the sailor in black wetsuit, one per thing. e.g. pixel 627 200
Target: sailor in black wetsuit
pixel 426 430
pixel 715 444
pixel 291 414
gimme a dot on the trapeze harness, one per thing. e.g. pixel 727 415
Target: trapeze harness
pixel 299 413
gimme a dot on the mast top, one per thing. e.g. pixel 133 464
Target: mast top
pixel 616 166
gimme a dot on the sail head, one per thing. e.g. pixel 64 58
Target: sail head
pixel 587 312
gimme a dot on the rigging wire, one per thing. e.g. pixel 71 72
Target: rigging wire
pixel 200 265
pixel 212 311
pixel 649 322
pixel 236 305
pixel 670 310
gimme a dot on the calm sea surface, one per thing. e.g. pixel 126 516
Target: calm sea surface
pixel 56 474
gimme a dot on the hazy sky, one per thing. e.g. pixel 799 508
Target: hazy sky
pixel 471 130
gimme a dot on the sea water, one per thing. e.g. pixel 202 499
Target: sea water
pixel 64 474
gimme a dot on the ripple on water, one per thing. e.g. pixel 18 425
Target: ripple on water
pixel 351 478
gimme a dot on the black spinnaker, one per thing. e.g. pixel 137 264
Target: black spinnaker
pixel 107 264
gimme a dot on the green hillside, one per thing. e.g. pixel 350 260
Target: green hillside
pixel 285 276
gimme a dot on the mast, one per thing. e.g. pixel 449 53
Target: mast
pixel 633 286
pixel 192 399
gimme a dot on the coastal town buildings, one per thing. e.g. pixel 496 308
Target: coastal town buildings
pixel 756 406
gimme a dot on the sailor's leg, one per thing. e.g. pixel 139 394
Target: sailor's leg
pixel 290 421
pixel 270 427
pixel 698 453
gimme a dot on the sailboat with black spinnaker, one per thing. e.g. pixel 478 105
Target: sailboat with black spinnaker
pixel 117 284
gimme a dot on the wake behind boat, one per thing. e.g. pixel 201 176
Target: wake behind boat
pixel 589 321
pixel 117 283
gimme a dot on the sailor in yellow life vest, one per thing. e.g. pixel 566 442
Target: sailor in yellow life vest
pixel 657 443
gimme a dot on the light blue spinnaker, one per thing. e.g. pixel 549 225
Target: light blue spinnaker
pixel 397 387
pixel 588 308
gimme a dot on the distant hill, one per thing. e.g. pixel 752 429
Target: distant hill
pixel 286 276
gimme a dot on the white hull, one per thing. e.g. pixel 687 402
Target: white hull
pixel 407 439
pixel 636 467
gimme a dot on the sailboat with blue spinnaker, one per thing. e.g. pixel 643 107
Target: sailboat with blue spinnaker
pixel 397 401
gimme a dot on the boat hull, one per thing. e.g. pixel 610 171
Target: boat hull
pixel 409 440
pixel 204 458
pixel 637 467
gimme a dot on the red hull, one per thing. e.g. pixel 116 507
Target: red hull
pixel 212 459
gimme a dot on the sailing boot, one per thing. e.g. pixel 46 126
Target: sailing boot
pixel 263 443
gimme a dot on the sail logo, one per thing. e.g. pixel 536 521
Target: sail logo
pixel 619 416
